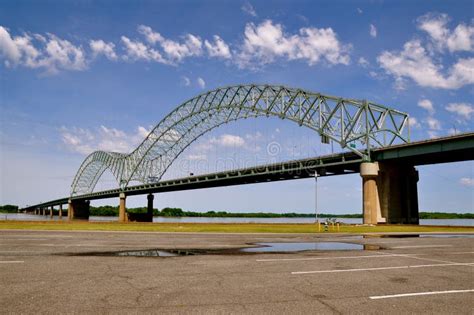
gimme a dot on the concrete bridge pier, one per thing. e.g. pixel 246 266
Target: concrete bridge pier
pixel 149 209
pixel 390 193
pixel 123 217
pixel 60 211
pixel 51 209
pixel 78 209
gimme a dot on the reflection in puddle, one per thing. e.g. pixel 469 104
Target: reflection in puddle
pixel 147 253
pixel 391 236
pixel 296 247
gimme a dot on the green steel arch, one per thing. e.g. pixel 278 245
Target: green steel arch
pixel 357 125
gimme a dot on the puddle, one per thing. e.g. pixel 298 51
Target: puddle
pixel 262 248
pixel 391 236
pixel 147 253
pixel 297 247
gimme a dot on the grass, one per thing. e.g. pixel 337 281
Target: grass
pixel 220 227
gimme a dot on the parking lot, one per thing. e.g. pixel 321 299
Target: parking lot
pixel 66 272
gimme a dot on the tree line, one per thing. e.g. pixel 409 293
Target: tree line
pixel 178 212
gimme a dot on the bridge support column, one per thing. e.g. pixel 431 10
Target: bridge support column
pixel 399 193
pixel 60 211
pixel 44 211
pixel 51 209
pixel 122 208
pixel 390 193
pixel 370 197
pixel 78 209
pixel 150 198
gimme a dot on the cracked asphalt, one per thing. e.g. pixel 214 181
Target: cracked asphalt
pixel 64 272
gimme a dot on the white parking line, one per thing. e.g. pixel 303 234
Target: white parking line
pixel 423 246
pixel 326 258
pixel 458 253
pixel 11 261
pixel 417 294
pixel 379 268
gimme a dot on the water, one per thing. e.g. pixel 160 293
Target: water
pixel 31 217
pixel 297 247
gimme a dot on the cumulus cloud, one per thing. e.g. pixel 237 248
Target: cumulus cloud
pixel 201 83
pixel 228 140
pixel 373 30
pixel 85 141
pixel 136 50
pixel 177 51
pixel 427 105
pixel 415 63
pixel 249 9
pixel 266 42
pixel 459 39
pixel 218 49
pixel 363 62
pixel 52 55
pixel 186 81
pixel 467 181
pixel 414 123
pixel 99 47
pixel 464 110
pixel 197 157
pixel 433 123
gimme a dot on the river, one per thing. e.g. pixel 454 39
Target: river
pixel 31 217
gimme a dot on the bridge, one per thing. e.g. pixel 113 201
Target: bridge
pixel 376 139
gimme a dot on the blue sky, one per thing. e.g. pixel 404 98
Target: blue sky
pixel 78 76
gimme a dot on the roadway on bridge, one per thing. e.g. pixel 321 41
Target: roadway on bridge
pixel 40 272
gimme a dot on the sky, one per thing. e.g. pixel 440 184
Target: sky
pixel 80 76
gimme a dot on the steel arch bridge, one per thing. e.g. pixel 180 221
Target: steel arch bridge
pixel 357 125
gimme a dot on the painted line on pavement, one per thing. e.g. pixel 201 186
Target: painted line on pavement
pixel 418 294
pixel 422 246
pixel 11 261
pixel 325 258
pixel 379 268
pixel 414 256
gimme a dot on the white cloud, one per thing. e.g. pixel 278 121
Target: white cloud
pixel 85 141
pixel 461 109
pixel 186 81
pixel 460 39
pixel 373 30
pixel 218 49
pixel 151 36
pixel 99 47
pixel 467 181
pixel 414 123
pixel 197 157
pixel 201 83
pixel 414 63
pixel 136 50
pixel 8 48
pixel 427 105
pixel 54 54
pixel 228 140
pixel 249 9
pixel 433 123
pixel 359 10
pixel 266 42
pixel 363 62
pixel 192 45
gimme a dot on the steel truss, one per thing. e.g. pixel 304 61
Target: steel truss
pixel 357 125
